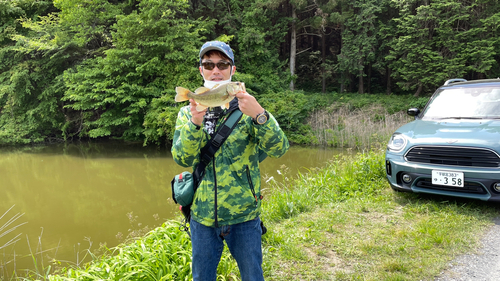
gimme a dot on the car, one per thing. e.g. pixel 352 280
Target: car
pixel 452 147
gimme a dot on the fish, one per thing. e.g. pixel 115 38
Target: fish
pixel 219 95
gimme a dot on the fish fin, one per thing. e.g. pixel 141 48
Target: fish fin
pixel 216 85
pixel 182 94
pixel 226 105
pixel 200 107
pixel 201 90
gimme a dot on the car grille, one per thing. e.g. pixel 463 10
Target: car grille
pixel 469 187
pixel 454 156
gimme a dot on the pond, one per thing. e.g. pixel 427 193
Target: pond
pixel 70 198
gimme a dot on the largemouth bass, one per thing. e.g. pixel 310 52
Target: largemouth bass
pixel 220 95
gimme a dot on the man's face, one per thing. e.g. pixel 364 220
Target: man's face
pixel 216 74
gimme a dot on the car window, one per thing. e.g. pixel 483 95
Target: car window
pixel 464 103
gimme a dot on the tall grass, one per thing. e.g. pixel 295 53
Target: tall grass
pixel 8 237
pixel 5 230
pixel 344 177
pixel 162 254
pixel 362 128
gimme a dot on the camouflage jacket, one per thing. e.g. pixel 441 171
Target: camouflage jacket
pixel 230 190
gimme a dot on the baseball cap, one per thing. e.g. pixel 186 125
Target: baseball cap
pixel 219 46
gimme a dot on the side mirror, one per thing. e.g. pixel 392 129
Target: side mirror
pixel 413 112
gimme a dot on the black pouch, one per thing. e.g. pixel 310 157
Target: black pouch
pixel 186 211
pixel 264 229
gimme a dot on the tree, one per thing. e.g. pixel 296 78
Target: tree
pixel 441 39
pixel 155 50
pixel 478 38
pixel 359 39
pixel 28 107
pixel 258 43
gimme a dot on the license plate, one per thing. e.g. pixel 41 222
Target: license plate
pixel 449 178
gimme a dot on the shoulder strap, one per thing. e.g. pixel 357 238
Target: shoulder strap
pixel 208 151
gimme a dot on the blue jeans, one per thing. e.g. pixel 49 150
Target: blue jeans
pixel 243 241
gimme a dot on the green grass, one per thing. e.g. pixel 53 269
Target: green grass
pixel 342 222
pixel 162 254
pixel 347 224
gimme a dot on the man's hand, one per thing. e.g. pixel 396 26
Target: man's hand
pixel 197 116
pixel 248 104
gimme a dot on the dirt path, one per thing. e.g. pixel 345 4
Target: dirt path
pixel 481 265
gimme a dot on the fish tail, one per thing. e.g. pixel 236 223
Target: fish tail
pixel 182 94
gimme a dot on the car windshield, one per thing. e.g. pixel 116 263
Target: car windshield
pixel 464 103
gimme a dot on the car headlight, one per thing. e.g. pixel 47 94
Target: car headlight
pixel 397 142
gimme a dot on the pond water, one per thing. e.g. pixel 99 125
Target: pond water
pixel 72 197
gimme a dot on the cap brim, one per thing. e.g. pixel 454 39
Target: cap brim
pixel 210 48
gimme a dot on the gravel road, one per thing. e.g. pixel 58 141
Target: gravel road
pixel 481 265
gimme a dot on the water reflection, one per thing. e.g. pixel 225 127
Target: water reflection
pixel 75 195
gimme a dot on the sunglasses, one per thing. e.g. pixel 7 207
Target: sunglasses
pixel 222 65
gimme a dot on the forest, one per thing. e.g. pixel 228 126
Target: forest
pixel 93 69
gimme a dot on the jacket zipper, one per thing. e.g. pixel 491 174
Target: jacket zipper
pixel 251 187
pixel 215 194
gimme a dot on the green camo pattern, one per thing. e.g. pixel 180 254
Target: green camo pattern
pixel 237 170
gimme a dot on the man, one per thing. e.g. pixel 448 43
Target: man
pixel 226 205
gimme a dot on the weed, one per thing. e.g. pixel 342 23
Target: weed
pixel 162 254
pixel 8 237
pixel 365 128
pixel 5 230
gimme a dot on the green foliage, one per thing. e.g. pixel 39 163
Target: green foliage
pixel 155 51
pixel 291 110
pixel 29 87
pixel 359 37
pixel 443 38
pixel 89 22
pixel 159 122
pixel 250 29
pixel 257 48
pixel 31 101
pixel 393 103
pixel 418 103
pixel 107 68
pixel 162 254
